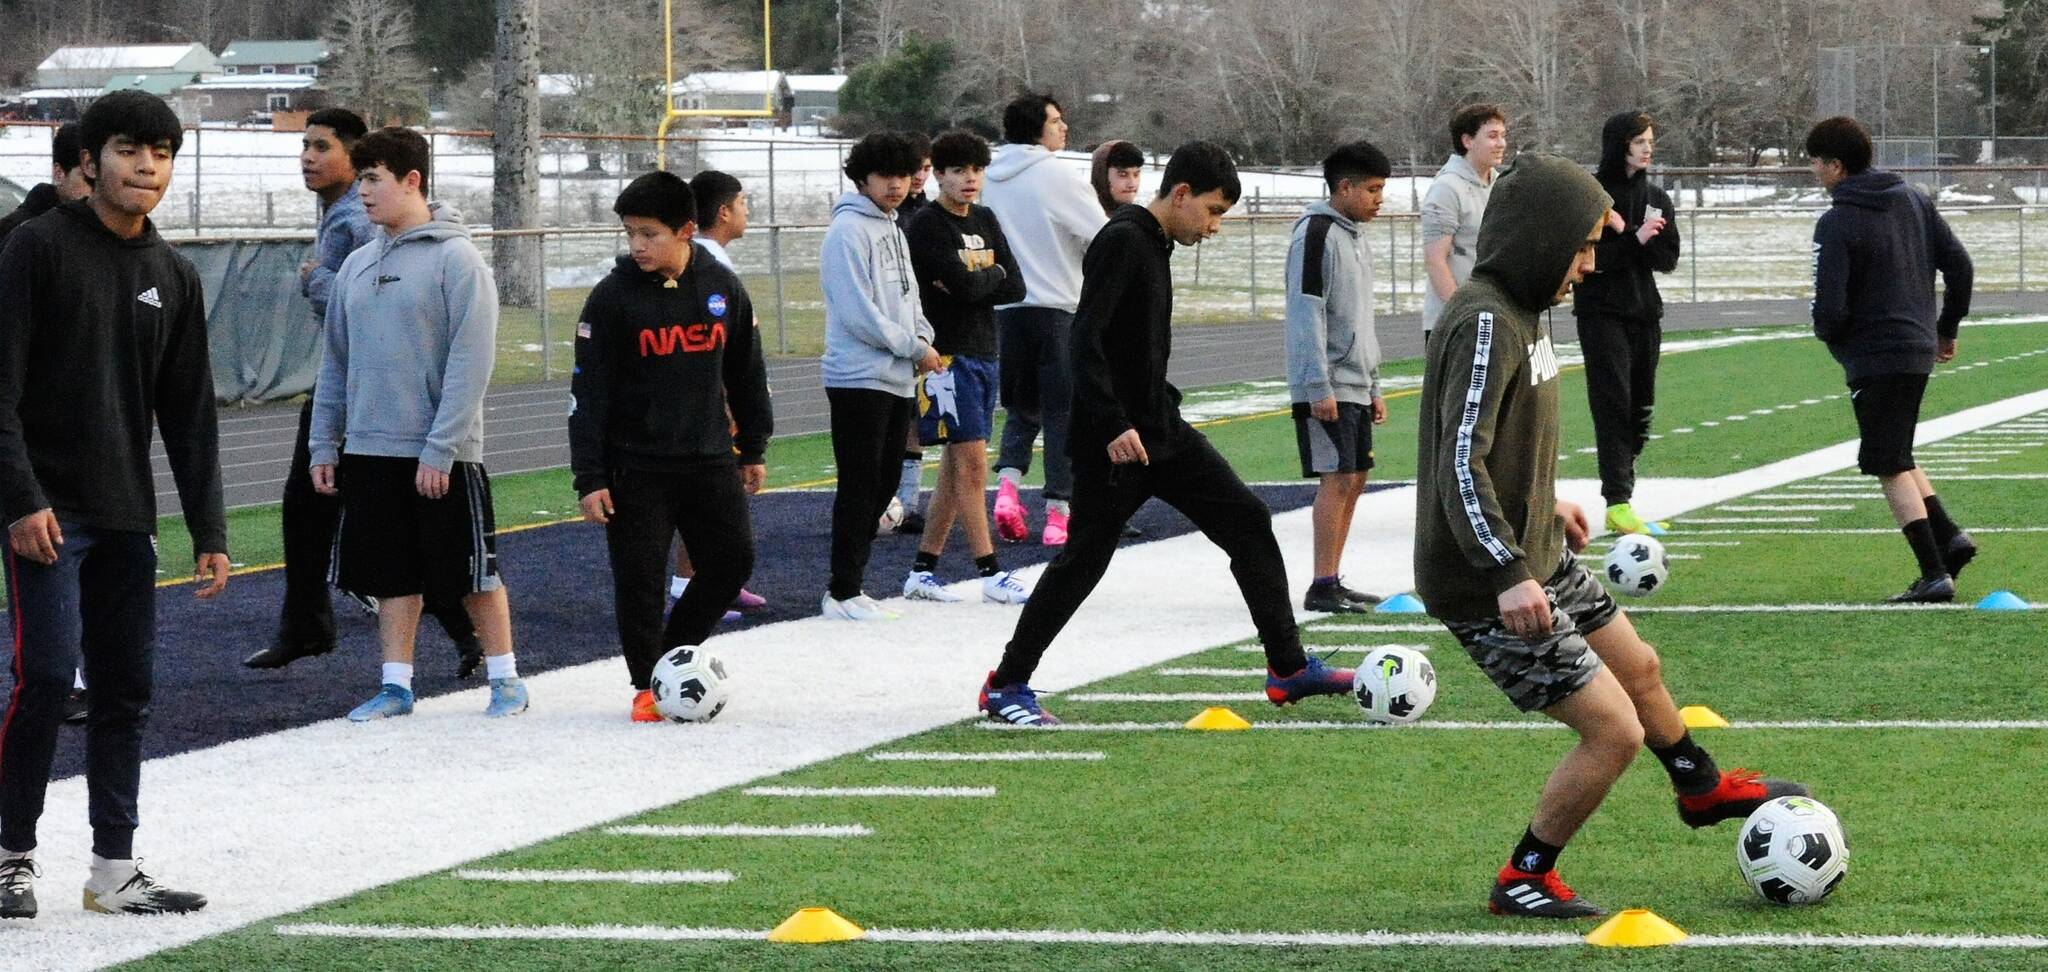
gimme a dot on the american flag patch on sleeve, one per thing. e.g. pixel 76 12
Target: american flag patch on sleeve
pixel 583 329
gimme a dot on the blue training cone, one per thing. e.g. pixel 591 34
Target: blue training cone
pixel 1655 529
pixel 1401 604
pixel 2002 601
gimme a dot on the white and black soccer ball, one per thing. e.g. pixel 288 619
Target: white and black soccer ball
pixel 1637 565
pixel 690 685
pixel 1394 685
pixel 1791 850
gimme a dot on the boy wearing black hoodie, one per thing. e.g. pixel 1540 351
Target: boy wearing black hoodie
pixel 102 328
pixel 67 181
pixel 665 345
pixel 1494 547
pixel 1621 314
pixel 1875 253
pixel 1129 444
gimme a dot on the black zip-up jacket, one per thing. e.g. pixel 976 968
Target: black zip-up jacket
pixel 1622 284
pixel 97 335
pixel 942 247
pixel 40 200
pixel 1875 253
pixel 659 367
pixel 1122 336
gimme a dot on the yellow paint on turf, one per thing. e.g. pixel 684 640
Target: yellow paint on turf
pixel 1701 717
pixel 812 926
pixel 1217 718
pixel 1635 928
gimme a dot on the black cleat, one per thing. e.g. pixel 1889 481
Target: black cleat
pixel 1737 796
pixel 141 895
pixel 1926 590
pixel 18 887
pixel 912 525
pixel 1338 599
pixel 1519 894
pixel 469 653
pixel 1958 554
pixel 280 654
pixel 76 706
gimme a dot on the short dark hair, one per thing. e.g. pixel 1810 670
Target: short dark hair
pixel 138 116
pixel 64 147
pixel 1467 121
pixel 957 148
pixel 660 196
pixel 1202 167
pixel 920 143
pixel 882 153
pixel 714 190
pixel 1024 118
pixel 1843 139
pixel 1123 155
pixel 1355 161
pixel 398 150
pixel 346 125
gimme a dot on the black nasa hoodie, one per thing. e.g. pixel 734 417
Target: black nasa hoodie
pixel 1121 337
pixel 1875 253
pixel 98 335
pixel 658 364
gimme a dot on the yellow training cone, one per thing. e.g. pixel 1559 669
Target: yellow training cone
pixel 1635 928
pixel 1216 718
pixel 810 926
pixel 1701 717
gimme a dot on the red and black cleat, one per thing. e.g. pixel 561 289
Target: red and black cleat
pixel 1737 796
pixel 1524 895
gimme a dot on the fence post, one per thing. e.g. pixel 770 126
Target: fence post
pixel 1692 230
pixel 1254 220
pixel 2023 248
pixel 198 175
pixel 547 371
pixel 269 208
pixel 775 260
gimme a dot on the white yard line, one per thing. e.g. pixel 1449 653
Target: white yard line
pixel 1717 520
pixel 1431 627
pixel 1808 496
pixel 1164 697
pixel 1792 608
pixel 1533 725
pixel 598 877
pixel 1013 756
pixel 739 830
pixel 1216 672
pixel 1783 508
pixel 1316 649
pixel 1874 531
pixel 928 792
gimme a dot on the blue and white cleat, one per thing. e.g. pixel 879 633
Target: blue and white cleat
pixel 1014 704
pixel 508 698
pixel 922 586
pixel 1003 587
pixel 390 702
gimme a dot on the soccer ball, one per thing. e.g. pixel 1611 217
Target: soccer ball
pixel 690 685
pixel 1637 565
pixel 1394 685
pixel 1791 850
pixel 892 516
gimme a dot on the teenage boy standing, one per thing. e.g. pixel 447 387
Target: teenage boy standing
pixel 964 269
pixel 1333 358
pixel 1875 254
pixel 1115 170
pixel 1456 203
pixel 1130 444
pixel 665 346
pixel 102 326
pixel 411 336
pixel 877 342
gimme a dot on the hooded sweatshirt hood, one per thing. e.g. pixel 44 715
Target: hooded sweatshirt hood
pixel 1012 160
pixel 1873 189
pixel 1098 173
pixel 1538 217
pixel 1614 138
pixel 1049 214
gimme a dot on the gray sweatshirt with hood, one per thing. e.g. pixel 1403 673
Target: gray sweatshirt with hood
pixel 411 333
pixel 875 329
pixel 1454 207
pixel 1332 348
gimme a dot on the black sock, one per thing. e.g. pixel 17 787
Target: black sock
pixel 1286 660
pixel 1945 529
pixel 925 562
pixel 1533 856
pixel 987 565
pixel 913 455
pixel 1692 770
pixel 1920 536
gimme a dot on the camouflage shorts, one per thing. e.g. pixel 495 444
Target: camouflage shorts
pixel 1541 673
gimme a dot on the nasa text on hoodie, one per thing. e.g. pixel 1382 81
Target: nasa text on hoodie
pixel 1049 214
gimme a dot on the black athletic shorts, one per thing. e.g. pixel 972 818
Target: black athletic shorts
pixel 1342 446
pixel 393 542
pixel 1887 415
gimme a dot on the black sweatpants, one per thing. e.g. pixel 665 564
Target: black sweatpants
pixel 867 446
pixel 96 603
pixel 708 506
pixel 1621 386
pixel 1195 480
pixel 309 518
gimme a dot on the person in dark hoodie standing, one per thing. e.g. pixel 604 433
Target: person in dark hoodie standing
pixel 1621 314
pixel 102 327
pixel 1494 548
pixel 665 345
pixel 1129 444
pixel 1875 254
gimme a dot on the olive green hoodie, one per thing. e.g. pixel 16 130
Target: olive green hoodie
pixel 1486 474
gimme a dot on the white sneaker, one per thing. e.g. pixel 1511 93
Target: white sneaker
pixel 131 892
pixel 922 586
pixel 676 587
pixel 857 608
pixel 1003 587
pixel 892 516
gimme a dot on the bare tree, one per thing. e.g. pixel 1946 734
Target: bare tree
pixel 515 153
pixel 372 68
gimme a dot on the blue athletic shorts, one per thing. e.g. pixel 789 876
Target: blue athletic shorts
pixel 959 403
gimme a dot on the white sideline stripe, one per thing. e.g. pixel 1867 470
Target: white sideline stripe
pixel 1013 756
pixel 739 830
pixel 1985 477
pixel 1790 608
pixel 1716 521
pixel 1379 628
pixel 599 877
pixel 1310 939
pixel 1812 496
pixel 870 791
pixel 1164 697
pixel 1784 508
pixel 1971 453
pixel 1212 672
pixel 1531 725
pixel 1884 531
pixel 1319 649
pixel 1670 543
pixel 1682 556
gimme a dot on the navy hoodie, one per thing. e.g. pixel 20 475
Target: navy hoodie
pixel 1875 253
pixel 659 365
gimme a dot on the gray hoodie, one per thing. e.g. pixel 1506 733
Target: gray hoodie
pixel 1332 348
pixel 1454 206
pixel 411 331
pixel 875 330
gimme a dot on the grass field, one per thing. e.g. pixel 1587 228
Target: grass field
pixel 1330 829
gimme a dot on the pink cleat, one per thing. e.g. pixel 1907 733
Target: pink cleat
pixel 1010 522
pixel 1055 528
pixel 749 601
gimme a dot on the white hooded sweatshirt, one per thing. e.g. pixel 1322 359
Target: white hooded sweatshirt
pixel 1049 215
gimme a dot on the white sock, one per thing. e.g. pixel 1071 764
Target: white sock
pixel 27 855
pixel 1011 475
pixel 1056 506
pixel 909 484
pixel 78 679
pixel 399 674
pixel 500 666
pixel 677 584
pixel 110 873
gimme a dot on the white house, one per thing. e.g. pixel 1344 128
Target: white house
pixel 94 67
